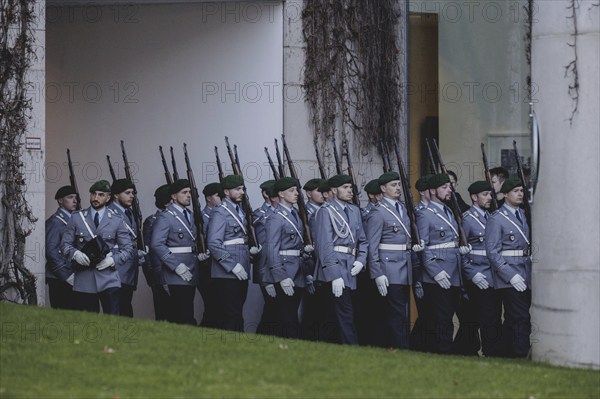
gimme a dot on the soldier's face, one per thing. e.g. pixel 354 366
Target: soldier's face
pixel 391 189
pixel 68 203
pixel 98 199
pixel 514 197
pixel 443 192
pixel 213 200
pixel 289 196
pixel 483 199
pixel 182 197
pixel 497 183
pixel 425 197
pixel 316 196
pixel 344 192
pixel 125 198
pixel 235 194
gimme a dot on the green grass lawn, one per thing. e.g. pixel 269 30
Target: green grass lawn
pixel 46 353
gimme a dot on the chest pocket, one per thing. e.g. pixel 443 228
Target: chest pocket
pixel 234 228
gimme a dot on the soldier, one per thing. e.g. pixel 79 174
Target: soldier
pixel 152 268
pixel 462 205
pixel 374 193
pixel 228 245
pixel 98 242
pixel 122 194
pixel 174 243
pixel 508 249
pixel 388 232
pixel 326 191
pixel 59 272
pixel 441 277
pixel 498 176
pixel 341 251
pixel 477 272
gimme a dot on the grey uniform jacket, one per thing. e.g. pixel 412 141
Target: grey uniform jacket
pixel 171 230
pixel 385 226
pixel 333 264
pixel 115 235
pixel 474 226
pixel 416 257
pixel 152 266
pixel 502 235
pixel 434 229
pixel 222 229
pixel 57 265
pixel 129 271
pixel 310 262
pixel 283 233
pixel 260 272
pixel 366 211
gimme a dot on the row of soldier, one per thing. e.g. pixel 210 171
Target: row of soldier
pixel 353 286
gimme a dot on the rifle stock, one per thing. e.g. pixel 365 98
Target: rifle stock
pixel 198 222
pixel 488 177
pixel 72 180
pixel 165 166
pixel 135 205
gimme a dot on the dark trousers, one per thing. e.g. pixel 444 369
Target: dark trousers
pixel 182 304
pixel 318 315
pixel 125 298
pixel 109 299
pixel 417 341
pixel 368 309
pixel 269 320
pixel 161 300
pixel 466 341
pixel 397 315
pixel 208 293
pixel 231 295
pixel 440 305
pixel 60 294
pixel 344 315
pixel 488 312
pixel 287 311
pixel 517 321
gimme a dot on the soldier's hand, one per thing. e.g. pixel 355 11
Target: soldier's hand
pixel 184 272
pixel 480 281
pixel 142 256
pixel 419 247
pixel 443 279
pixel 382 283
pixel 337 287
pixel 419 292
pixel 287 285
pixel 270 288
pixel 309 249
pixel 106 262
pixel 357 266
pixel 255 250
pixel 204 256
pixel 465 249
pixel 310 284
pixel 81 258
pixel 240 272
pixel 70 279
pixel 518 283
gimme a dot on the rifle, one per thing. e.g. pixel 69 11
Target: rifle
pixel 280 165
pixel 198 222
pixel 301 205
pixel 462 237
pixel 165 167
pixel 355 192
pixel 387 166
pixel 336 157
pixel 135 205
pixel 72 180
pixel 408 198
pixel 488 177
pixel 271 164
pixel 432 165
pixel 319 160
pixel 252 241
pixel 219 166
pixel 110 169
pixel 521 174
pixel 175 173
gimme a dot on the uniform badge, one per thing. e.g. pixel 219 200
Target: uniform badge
pixel 235 229
pixel 180 235
pixel 395 229
pixel 442 233
pixel 511 237
pixel 80 239
pixel 292 236
pixel 481 239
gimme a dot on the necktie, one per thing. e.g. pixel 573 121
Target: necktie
pixel 295 216
pixel 129 215
pixel 485 216
pixel 447 212
pixel 518 215
pixel 96 219
pixel 186 213
pixel 347 212
pixel 398 209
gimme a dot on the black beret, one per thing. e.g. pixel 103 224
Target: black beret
pixel 121 185
pixel 284 183
pixel 388 177
pixel 179 185
pixel 372 187
pixel 212 189
pixel 232 181
pixel 339 180
pixel 162 195
pixel 421 184
pixel 510 184
pixel 100 185
pixel 479 186
pixel 313 184
pixel 324 187
pixel 64 191
pixel 438 180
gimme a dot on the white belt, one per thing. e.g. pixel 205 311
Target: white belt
pixel 393 247
pixel 443 245
pixel 344 250
pixel 181 250
pixel 513 253
pixel 480 252
pixel 290 252
pixel 235 241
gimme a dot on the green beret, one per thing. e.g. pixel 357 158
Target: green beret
pixel 100 185
pixel 267 185
pixel 421 184
pixel 324 187
pixel 212 189
pixel 339 180
pixel 64 191
pixel 121 185
pixel 179 185
pixel 479 186
pixel 510 184
pixel 232 181
pixel 372 187
pixel 162 195
pixel 313 184
pixel 388 177
pixel 438 180
pixel 284 183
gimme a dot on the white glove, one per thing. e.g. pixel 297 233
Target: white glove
pixel 142 256
pixel 240 272
pixel 382 284
pixel 81 258
pixel 518 282
pixel 106 262
pixel 184 272
pixel 419 247
pixel 419 292
pixel 309 249
pixel 255 250
pixel 204 256
pixel 337 287
pixel 356 268
pixel 270 288
pixel 310 284
pixel 465 250
pixel 480 281
pixel 287 285
pixel 443 279
pixel 70 279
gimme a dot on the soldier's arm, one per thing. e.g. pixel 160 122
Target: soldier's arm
pixel 158 242
pixel 362 243
pixel 127 245
pixel 324 247
pixel 216 237
pixel 467 267
pixel 493 247
pixel 56 260
pixel 374 232
pixel 272 246
pixel 66 242
pixel 430 265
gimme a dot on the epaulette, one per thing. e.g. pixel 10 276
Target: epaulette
pixel 467 213
pixel 495 212
pixel 325 205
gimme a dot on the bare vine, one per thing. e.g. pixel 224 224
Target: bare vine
pixel 17 283
pixel 571 69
